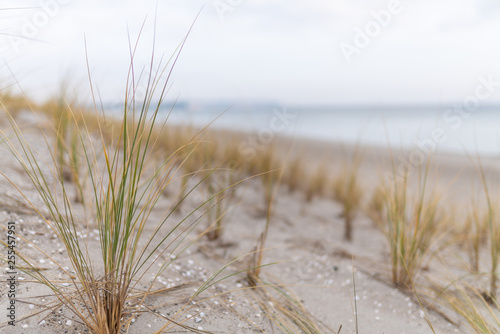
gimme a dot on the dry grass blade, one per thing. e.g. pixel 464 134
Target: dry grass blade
pixel 472 307
pixel 285 310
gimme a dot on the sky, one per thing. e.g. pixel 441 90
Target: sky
pixel 314 52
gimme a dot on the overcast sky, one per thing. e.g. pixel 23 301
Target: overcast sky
pixel 288 51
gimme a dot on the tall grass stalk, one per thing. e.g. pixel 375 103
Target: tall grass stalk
pixel 493 232
pixel 124 193
pixel 253 274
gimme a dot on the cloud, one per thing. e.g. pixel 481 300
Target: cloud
pixel 282 49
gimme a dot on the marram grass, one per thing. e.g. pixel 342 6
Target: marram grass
pixel 124 190
pixel 413 222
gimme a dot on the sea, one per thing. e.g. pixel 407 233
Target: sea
pixel 451 129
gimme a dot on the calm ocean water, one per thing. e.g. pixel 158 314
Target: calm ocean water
pixel 473 132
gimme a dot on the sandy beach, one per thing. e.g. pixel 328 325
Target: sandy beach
pixel 309 256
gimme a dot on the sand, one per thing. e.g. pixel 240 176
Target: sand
pixel 306 244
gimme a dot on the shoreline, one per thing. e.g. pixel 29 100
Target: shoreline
pixel 376 129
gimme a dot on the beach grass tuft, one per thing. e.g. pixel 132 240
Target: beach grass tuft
pixel 125 188
pixel 347 191
pixel 413 224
